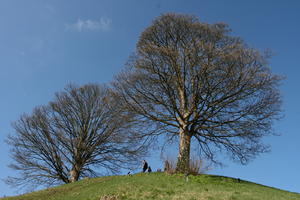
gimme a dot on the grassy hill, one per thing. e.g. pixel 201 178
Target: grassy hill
pixel 160 186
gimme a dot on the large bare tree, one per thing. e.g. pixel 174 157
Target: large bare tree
pixel 83 131
pixel 196 81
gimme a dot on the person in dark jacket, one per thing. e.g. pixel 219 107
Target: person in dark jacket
pixel 145 166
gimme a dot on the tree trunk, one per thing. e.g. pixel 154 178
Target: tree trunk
pixel 183 160
pixel 74 175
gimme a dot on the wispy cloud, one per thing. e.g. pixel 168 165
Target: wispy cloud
pixel 103 24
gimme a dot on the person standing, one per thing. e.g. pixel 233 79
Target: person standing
pixel 145 166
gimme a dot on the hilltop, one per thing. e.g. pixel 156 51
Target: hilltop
pixel 160 186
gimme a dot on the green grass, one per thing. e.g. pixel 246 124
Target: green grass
pixel 159 186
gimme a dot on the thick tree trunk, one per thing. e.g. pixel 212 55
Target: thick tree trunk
pixel 183 160
pixel 74 175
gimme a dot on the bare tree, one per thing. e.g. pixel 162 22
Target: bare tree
pixel 195 81
pixel 82 130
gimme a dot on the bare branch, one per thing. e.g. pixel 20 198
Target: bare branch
pixel 82 130
pixel 195 79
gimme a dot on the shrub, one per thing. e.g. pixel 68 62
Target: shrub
pixel 169 166
pixel 196 167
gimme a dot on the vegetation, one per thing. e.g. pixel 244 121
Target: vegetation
pixel 160 186
pixel 78 134
pixel 189 81
pixel 193 81
pixel 196 166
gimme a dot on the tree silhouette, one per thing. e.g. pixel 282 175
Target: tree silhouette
pixel 83 131
pixel 194 80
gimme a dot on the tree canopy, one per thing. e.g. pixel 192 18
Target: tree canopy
pixel 81 133
pixel 195 81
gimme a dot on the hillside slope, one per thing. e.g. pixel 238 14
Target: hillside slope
pixel 160 186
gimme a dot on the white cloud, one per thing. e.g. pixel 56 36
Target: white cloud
pixel 103 24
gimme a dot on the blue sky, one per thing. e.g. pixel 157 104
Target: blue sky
pixel 45 45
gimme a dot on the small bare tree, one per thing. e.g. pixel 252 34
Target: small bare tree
pixel 82 130
pixel 195 81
